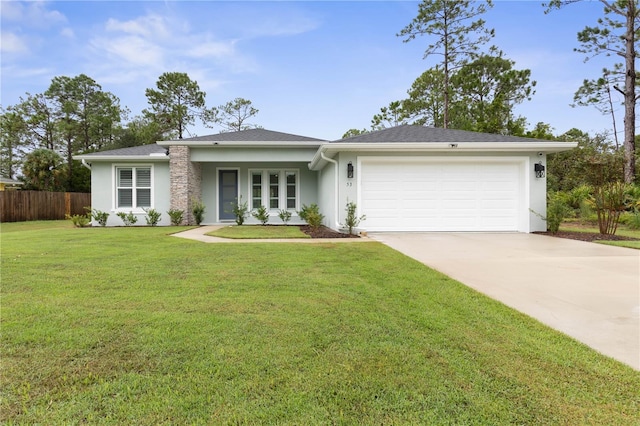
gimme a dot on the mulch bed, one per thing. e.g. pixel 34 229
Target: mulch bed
pixel 324 232
pixel 587 236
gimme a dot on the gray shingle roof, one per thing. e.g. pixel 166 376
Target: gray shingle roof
pixel 412 133
pixel 254 135
pixel 132 151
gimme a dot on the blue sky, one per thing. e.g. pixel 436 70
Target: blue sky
pixel 311 68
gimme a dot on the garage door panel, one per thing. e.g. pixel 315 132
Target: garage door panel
pixel 440 196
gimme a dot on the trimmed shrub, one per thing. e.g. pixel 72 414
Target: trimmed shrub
pixel 284 215
pixel 198 208
pixel 240 210
pixel 352 221
pixel 100 217
pixel 80 220
pixel 311 214
pixel 153 217
pixel 175 216
pixel 262 214
pixel 127 218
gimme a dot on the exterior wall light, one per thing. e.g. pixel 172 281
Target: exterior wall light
pixel 350 170
pixel 539 169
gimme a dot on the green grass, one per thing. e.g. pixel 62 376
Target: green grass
pixel 258 232
pixel 132 326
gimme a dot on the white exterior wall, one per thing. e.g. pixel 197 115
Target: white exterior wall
pixel 327 195
pixel 103 184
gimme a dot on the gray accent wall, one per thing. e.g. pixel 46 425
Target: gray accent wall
pixel 307 186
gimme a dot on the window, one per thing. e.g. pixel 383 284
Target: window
pixel 256 190
pixel 291 190
pixel 133 187
pixel 275 189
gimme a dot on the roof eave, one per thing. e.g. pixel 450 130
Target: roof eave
pixel 331 149
pixel 145 158
pixel 243 144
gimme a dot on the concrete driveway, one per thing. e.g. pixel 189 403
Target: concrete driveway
pixel 589 291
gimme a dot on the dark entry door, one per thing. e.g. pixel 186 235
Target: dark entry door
pixel 227 193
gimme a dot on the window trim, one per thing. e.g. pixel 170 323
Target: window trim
pixel 282 189
pixel 114 180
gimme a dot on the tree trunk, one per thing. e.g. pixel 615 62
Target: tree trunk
pixel 630 97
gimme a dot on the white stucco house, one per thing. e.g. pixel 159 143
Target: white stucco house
pixel 405 178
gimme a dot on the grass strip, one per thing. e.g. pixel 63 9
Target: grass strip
pixel 258 232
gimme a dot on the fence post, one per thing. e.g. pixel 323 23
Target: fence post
pixel 67 204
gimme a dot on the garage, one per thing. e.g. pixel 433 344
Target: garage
pixel 443 193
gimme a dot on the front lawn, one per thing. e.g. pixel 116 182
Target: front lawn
pixel 132 326
pixel 258 232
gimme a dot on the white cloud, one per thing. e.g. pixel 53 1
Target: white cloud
pixel 212 49
pixel 129 51
pixel 151 26
pixel 32 14
pixel 11 10
pixel 12 43
pixel 67 32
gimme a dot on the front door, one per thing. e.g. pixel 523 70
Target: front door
pixel 227 193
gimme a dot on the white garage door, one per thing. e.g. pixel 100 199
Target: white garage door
pixel 441 195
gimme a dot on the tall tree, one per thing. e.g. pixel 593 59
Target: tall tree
pixel 391 116
pixel 354 132
pixel 616 34
pixel 425 104
pixel 598 93
pixel 38 115
pixel 12 142
pixel 175 103
pixel 456 32
pixel 140 130
pixel 44 170
pixel 486 90
pixel 232 116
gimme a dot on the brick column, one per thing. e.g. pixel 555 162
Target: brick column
pixel 185 178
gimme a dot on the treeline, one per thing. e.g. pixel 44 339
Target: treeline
pixel 42 132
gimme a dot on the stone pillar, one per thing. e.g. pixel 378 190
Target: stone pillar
pixel 185 178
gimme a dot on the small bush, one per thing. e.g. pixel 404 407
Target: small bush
pixel 99 216
pixel 352 221
pixel 631 219
pixel 610 200
pixel 198 208
pixel 153 217
pixel 284 215
pixel 311 214
pixel 127 218
pixel 577 197
pixel 80 220
pixel 175 216
pixel 262 214
pixel 557 211
pixel 240 210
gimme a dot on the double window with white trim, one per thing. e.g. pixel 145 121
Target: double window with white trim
pixel 133 187
pixel 274 189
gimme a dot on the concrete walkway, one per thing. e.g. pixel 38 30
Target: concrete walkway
pixel 589 291
pixel 199 234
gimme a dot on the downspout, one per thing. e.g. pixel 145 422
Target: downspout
pixel 87 165
pixel 335 163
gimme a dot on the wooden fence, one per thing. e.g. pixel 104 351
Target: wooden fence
pixel 19 206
